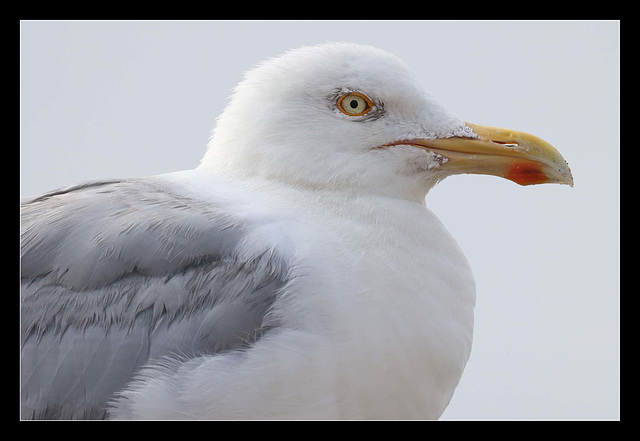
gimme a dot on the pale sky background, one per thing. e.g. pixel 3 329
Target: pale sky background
pixel 103 99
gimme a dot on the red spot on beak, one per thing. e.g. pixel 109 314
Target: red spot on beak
pixel 526 173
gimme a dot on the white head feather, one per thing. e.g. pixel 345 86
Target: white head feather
pixel 283 123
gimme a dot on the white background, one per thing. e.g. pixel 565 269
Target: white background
pixel 106 99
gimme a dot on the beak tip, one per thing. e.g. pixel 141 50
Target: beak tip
pixel 541 162
pixel 562 177
pixel 570 180
pixel 567 176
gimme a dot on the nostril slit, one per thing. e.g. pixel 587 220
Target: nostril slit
pixel 507 143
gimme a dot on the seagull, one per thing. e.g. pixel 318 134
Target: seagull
pixel 295 273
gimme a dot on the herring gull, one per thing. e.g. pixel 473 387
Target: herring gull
pixel 296 273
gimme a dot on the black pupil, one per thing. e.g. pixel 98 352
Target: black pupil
pixel 353 104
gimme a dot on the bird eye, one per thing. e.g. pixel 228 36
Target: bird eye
pixel 354 104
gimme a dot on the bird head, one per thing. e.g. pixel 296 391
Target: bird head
pixel 347 116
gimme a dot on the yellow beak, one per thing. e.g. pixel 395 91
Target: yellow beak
pixel 517 156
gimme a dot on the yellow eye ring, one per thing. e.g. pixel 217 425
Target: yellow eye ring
pixel 354 104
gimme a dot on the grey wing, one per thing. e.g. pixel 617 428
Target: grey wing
pixel 116 274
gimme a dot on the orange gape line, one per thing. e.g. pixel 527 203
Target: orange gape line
pixel 526 173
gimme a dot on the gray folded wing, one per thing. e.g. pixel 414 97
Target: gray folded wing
pixel 118 273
